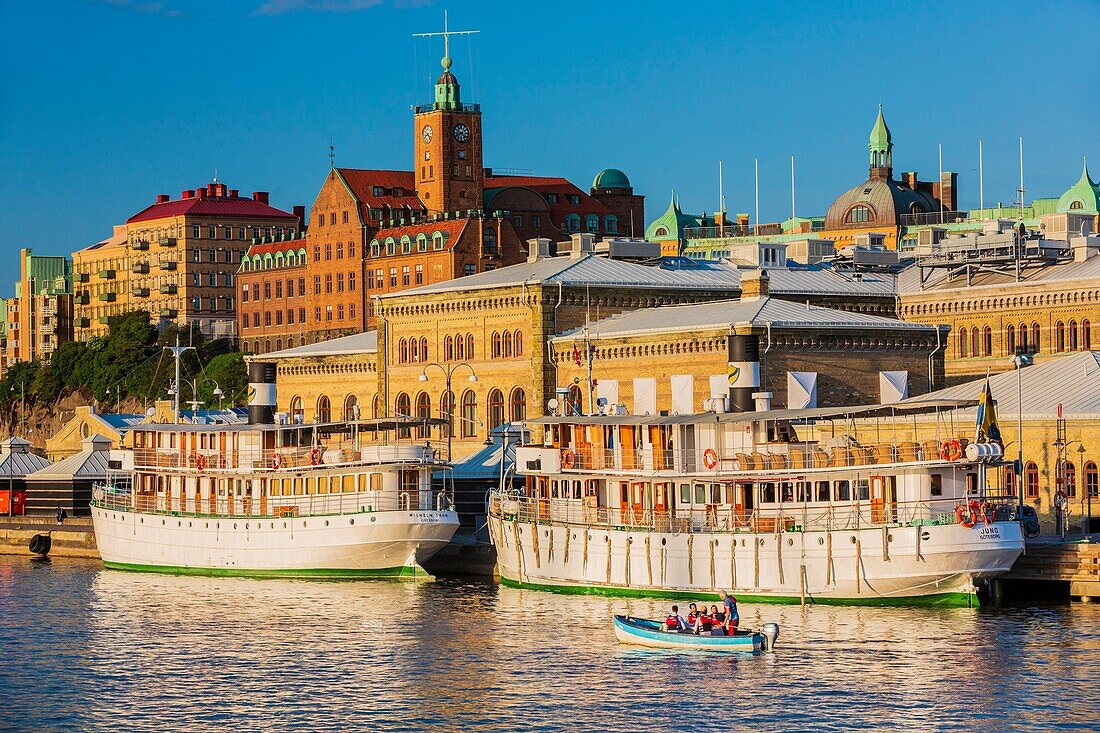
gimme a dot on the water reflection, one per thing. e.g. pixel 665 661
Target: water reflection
pixel 97 650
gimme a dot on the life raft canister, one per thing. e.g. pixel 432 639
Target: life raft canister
pixel 710 458
pixel 951 450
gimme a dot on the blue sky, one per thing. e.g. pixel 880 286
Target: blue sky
pixel 105 103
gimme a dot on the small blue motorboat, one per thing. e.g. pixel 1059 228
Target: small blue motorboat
pixel 646 632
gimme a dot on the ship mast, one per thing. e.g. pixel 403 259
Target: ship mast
pixel 177 352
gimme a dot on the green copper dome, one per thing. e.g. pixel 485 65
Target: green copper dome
pixel 1082 197
pixel 611 178
pixel 880 144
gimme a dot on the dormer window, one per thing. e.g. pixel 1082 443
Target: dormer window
pixel 552 198
pixel 859 215
pixel 377 191
pixel 574 199
pixel 398 192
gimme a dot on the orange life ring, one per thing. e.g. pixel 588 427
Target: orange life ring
pixel 276 461
pixel 315 456
pixel 951 450
pixel 200 461
pixel 568 458
pixel 971 518
pixel 710 458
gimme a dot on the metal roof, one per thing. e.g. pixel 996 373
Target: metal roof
pixel 358 343
pixel 726 314
pixel 1073 381
pixel 485 464
pixel 85 464
pixel 19 463
pixel 938 279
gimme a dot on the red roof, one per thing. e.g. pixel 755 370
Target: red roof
pixel 547 184
pixel 221 206
pixel 363 182
pixel 451 227
pixel 289 245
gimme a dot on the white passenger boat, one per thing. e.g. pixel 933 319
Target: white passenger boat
pixel 348 499
pixel 777 505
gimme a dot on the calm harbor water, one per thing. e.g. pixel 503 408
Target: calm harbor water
pixel 86 649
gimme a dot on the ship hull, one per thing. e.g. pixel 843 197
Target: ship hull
pixel 924 564
pixel 367 544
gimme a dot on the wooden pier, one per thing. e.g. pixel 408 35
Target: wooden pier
pixel 1076 564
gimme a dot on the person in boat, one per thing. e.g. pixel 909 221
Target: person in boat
pixel 674 621
pixel 732 617
pixel 693 615
pixel 704 622
pixel 719 627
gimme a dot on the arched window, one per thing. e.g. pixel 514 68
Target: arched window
pixel 495 341
pixel 1060 337
pixel 403 406
pixel 519 343
pixel 507 344
pixel 469 346
pixel 1010 339
pixel 423 348
pixel 572 223
pixel 437 240
pixel 1069 479
pixel 1021 335
pixel 611 224
pixel 324 409
pixel 519 405
pixel 423 410
pixel 1036 344
pixel 375 407
pixel 448 348
pixel 1092 479
pixel 592 223
pixel 460 347
pixel 1086 335
pixel 350 403
pixel 297 413
pixel 414 350
pixel 421 242
pixel 573 401
pixel 987 341
pixel 964 342
pixel 1077 205
pixel 496 409
pixel 447 412
pixel 661 232
pixel 403 351
pixel 1073 335
pixel 267 345
pixel 1031 479
pixel 468 418
pixel 859 215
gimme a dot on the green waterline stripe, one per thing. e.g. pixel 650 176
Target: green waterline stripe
pixel 404 572
pixel 948 600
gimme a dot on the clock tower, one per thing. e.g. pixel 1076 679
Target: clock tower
pixel 448 169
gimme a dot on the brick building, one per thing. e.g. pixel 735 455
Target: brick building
pixel 376 232
pixel 177 259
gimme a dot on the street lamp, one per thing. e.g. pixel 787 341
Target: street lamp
pixel 219 394
pixel 448 372
pixel 1020 360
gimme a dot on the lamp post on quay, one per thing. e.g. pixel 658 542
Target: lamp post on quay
pixel 1020 360
pixel 448 372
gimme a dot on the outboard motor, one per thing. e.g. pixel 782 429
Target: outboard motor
pixel 40 544
pixel 770 631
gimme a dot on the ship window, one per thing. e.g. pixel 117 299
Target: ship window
pixel 841 491
pixel 700 493
pixel 803 491
pixel 624 492
pixel 972 483
pixel 822 491
pixel 788 491
pixel 863 489
pixel 685 493
pixel 577 490
pixel 311 485
pixel 363 482
pixel 716 493
pixel 554 489
pixel 349 484
pixel 376 482
pixel 767 492
pixel 322 485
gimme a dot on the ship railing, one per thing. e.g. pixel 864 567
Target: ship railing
pixel 727 518
pixel 770 457
pixel 318 505
pixel 330 454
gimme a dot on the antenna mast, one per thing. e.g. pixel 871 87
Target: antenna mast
pixel 177 352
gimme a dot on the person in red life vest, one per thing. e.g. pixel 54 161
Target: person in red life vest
pixel 693 615
pixel 674 621
pixel 704 622
pixel 732 617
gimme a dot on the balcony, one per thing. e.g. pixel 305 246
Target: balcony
pixel 169 289
pixel 104 320
pixel 81 299
pixel 168 265
pixel 139 292
pixel 140 245
pixel 81 322
pixel 141 268
pixel 108 297
pixel 167 242
pixel 107 274
pixel 168 312
pixel 81 277
pixel 421 108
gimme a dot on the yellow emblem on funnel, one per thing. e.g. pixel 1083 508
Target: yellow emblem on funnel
pixel 734 372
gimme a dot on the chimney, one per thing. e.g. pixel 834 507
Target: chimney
pixel 200 193
pixel 300 215
pixel 210 189
pixel 261 196
pixel 583 244
pixel 187 194
pixel 163 198
pixel 742 220
pixel 538 249
pixel 754 285
pixel 261 387
pixel 234 193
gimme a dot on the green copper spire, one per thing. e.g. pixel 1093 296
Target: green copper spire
pixel 880 144
pixel 1082 197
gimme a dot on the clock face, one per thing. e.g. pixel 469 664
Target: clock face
pixel 461 133
pixel 426 134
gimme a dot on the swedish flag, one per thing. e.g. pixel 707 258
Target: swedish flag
pixel 987 432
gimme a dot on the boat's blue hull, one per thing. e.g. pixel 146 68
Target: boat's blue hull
pixel 645 632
